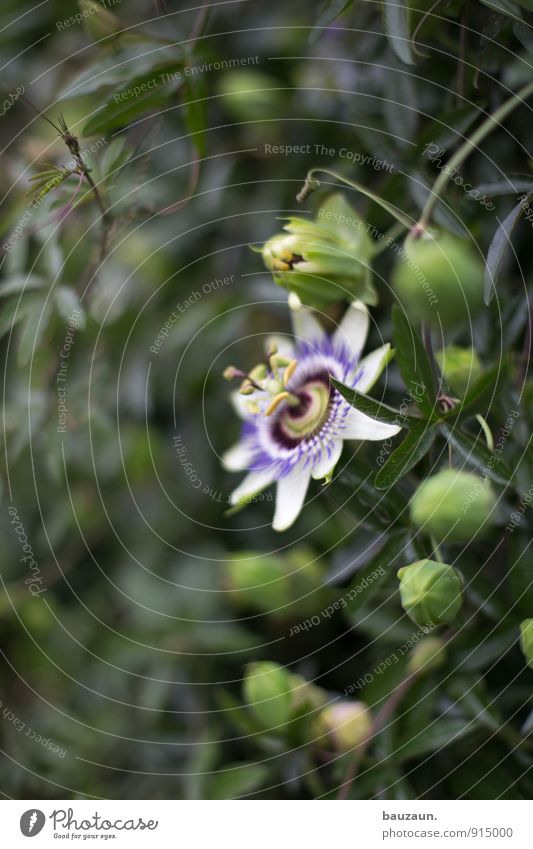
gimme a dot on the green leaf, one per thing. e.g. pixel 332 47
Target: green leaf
pixel 21 283
pixel 375 409
pixel 477 455
pixel 238 780
pixel 396 15
pixel 33 327
pixel 120 69
pixel 506 7
pixel 126 105
pixel 499 246
pixel 413 363
pixel 330 11
pixel 416 444
pixel 69 306
pixel 370 578
pixel 438 734
pixel 16 311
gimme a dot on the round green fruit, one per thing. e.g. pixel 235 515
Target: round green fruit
pixel 345 725
pixel 460 368
pixel 452 506
pixel 439 279
pixel 431 592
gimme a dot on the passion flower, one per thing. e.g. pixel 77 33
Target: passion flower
pixel 452 505
pixel 326 259
pixel 439 279
pixel 295 422
pixel 431 592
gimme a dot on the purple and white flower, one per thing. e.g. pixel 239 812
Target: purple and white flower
pixel 295 421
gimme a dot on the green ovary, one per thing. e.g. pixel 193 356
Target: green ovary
pixel 297 422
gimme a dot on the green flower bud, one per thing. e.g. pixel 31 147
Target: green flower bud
pixel 97 21
pixel 526 640
pixel 460 368
pixel 427 655
pixel 323 260
pixel 453 506
pixel 250 95
pixel 283 586
pixel 439 279
pixel 431 592
pixel 268 692
pixel 344 725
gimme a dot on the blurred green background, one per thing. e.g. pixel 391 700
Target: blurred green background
pixel 151 601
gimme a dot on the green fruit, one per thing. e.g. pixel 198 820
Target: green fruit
pixel 268 692
pixel 439 279
pixel 98 22
pixel 526 640
pixel 460 368
pixel 250 95
pixel 453 506
pixel 431 592
pixel 345 725
pixel 427 655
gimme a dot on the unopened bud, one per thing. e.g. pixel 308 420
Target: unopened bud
pixel 431 592
pixel 268 692
pixel 97 21
pixel 427 655
pixel 345 725
pixel 526 640
pixel 452 505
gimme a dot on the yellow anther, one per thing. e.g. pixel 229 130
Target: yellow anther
pixel 274 404
pixel 289 371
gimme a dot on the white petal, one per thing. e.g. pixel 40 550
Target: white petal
pixel 306 327
pixel 371 367
pixel 328 461
pixel 290 496
pixel 238 458
pixel 359 426
pixel 252 484
pixel 353 329
pixel 240 403
pixel 283 343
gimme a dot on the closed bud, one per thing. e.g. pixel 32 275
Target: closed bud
pixel 323 260
pixel 438 277
pixel 453 506
pixel 431 592
pixel 344 725
pixel 426 656
pixel 526 640
pixel 460 368
pixel 97 21
pixel 268 692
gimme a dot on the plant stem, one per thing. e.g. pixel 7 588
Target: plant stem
pixel 359 187
pixel 381 719
pixel 488 125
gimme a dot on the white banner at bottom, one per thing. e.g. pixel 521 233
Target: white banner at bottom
pixel 264 824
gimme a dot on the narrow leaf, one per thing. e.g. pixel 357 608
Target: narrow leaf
pixel 396 24
pixel 413 363
pixel 498 250
pixel 331 11
pixel 478 455
pixel 415 446
pixel 375 409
